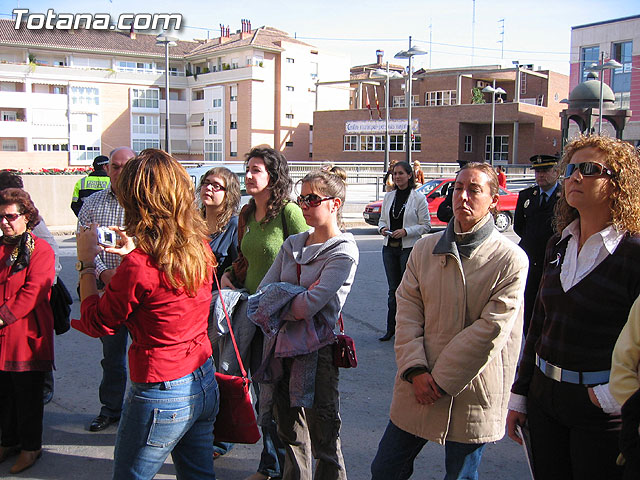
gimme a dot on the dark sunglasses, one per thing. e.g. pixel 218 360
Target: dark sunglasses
pixel 215 186
pixel 587 169
pixel 11 217
pixel 312 200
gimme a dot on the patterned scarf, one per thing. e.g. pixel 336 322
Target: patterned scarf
pixel 21 253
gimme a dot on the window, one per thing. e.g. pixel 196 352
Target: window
pixel 9 116
pixel 350 143
pixel 500 148
pixel 588 55
pixel 217 103
pixel 139 144
pixel 396 143
pixel 233 93
pixel 442 97
pixel 314 70
pixel 145 124
pixel 85 96
pixel 468 144
pixel 288 144
pixel 415 100
pixel 10 145
pixel 147 98
pixel 90 122
pixel 213 127
pixel 371 143
pixel 213 150
pixel 139 67
pixel 621 77
pixel 198 95
pixel 235 63
pixel 55 89
pixel 289 116
pixel 291 60
pixel 50 147
pixel 83 122
pixel 399 101
pixel 233 125
pixel 416 142
pixel 85 152
pixel 290 88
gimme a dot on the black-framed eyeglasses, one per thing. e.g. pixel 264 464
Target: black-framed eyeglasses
pixel 214 185
pixel 10 217
pixel 312 200
pixel 587 169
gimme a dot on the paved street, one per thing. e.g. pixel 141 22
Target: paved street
pixel 71 451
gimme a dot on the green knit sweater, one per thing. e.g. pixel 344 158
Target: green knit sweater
pixel 261 243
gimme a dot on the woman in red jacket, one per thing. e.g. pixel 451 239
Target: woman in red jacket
pixel 26 328
pixel 161 292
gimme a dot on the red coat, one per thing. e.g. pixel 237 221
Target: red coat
pixel 26 339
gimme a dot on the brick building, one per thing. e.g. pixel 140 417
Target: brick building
pixel 68 96
pixel 448 122
pixel 618 39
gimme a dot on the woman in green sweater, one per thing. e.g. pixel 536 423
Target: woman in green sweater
pixel 263 225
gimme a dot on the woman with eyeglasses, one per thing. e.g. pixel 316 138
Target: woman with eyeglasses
pixel 161 292
pixel 403 220
pixel 323 260
pixel 590 281
pixel 220 196
pixel 263 225
pixel 26 328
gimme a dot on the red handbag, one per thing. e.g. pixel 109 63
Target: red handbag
pixel 344 350
pixel 236 420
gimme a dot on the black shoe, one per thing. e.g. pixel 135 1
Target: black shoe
pixel 47 396
pixel 386 337
pixel 101 422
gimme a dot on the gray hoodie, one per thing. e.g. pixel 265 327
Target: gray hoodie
pixel 334 262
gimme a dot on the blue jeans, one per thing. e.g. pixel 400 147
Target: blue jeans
pixel 395 262
pixel 398 450
pixel 168 417
pixel 114 372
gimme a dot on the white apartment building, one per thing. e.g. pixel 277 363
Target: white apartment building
pixel 68 96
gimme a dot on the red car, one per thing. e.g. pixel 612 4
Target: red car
pixel 436 191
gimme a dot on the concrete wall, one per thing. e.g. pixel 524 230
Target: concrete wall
pixel 52 196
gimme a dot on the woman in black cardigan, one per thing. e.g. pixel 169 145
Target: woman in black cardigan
pixel 591 278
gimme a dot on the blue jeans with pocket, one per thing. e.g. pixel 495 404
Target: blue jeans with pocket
pixel 398 450
pixel 174 417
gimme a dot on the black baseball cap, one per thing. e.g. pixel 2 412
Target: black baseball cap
pixel 100 161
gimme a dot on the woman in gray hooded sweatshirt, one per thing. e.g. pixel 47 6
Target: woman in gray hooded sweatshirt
pixel 323 260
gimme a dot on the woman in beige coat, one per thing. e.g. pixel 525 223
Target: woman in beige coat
pixel 458 335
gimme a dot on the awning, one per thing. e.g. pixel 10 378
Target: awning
pixel 197 146
pixel 179 146
pixel 177 119
pixel 49 82
pixel 196 119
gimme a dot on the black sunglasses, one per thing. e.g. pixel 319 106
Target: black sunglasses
pixel 214 185
pixel 312 200
pixel 11 217
pixel 587 169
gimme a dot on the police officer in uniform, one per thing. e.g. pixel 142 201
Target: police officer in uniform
pixel 92 183
pixel 533 223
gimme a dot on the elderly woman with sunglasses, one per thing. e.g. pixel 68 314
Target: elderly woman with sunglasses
pixel 26 328
pixel 591 279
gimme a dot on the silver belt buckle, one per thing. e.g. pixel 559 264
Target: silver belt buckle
pixel 550 370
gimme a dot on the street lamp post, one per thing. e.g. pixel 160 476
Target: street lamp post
pixel 167 41
pixel 409 54
pixel 493 90
pixel 608 65
pixel 379 73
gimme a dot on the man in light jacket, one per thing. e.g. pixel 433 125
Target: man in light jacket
pixel 458 335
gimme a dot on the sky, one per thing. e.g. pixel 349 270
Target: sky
pixel 535 32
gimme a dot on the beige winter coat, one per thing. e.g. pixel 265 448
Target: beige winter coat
pixel 463 322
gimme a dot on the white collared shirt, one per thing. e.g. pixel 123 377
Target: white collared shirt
pixel 577 265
